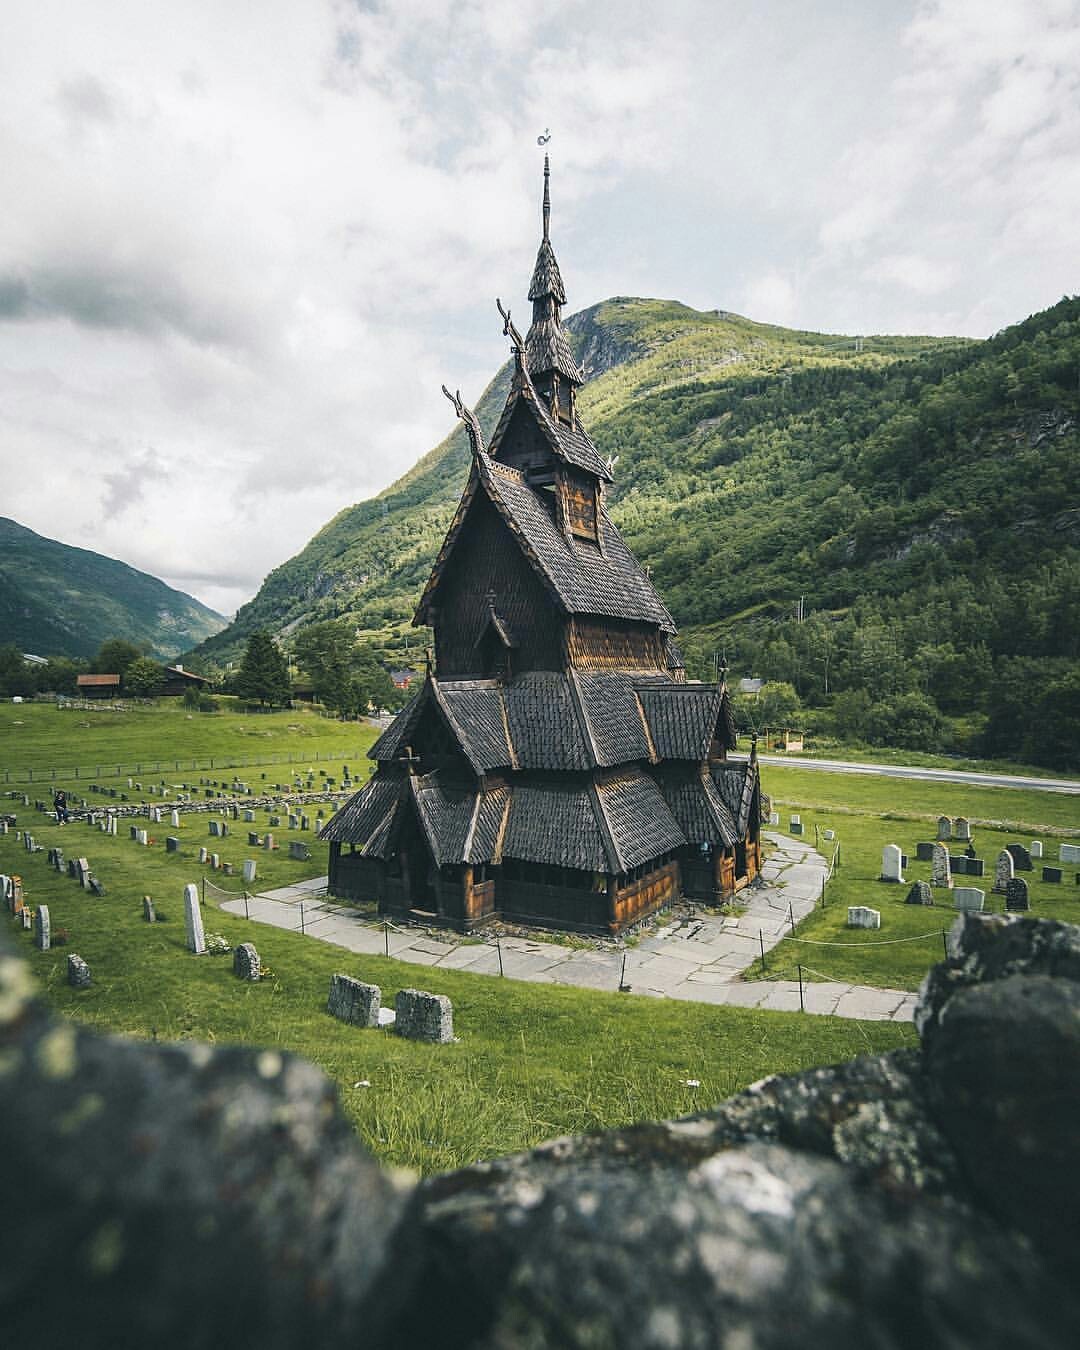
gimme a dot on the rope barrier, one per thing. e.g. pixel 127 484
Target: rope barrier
pixel 885 942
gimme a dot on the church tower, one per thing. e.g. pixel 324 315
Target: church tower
pixel 555 767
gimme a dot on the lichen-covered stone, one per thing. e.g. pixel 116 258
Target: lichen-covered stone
pixel 246 963
pixel 78 972
pixel 420 1016
pixel 354 1001
pixel 921 893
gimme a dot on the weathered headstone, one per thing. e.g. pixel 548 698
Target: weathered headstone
pixel 143 838
pixel 828 834
pixel 861 916
pixel 42 928
pixel 774 817
pixel 424 1017
pixel 968 898
pixel 1051 874
pixel 268 842
pixel 958 864
pixel 1016 895
pixel 944 827
pixel 353 1001
pixel 975 867
pixel 172 844
pixel 920 894
pixel 961 828
pixel 203 855
pixel 249 869
pixel 148 911
pixel 940 871
pixel 78 972
pixel 924 851
pixel 892 863
pixel 249 814
pixel 796 825
pixel 215 861
pixel 215 828
pixel 299 851
pixel 246 962
pixel 1003 871
pixel 174 820
pixel 1021 858
pixel 1036 848
pixel 193 924
pixel 133 832
pixel 1069 853
pixel 26 917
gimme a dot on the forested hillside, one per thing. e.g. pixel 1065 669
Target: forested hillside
pixel 918 495
pixel 56 600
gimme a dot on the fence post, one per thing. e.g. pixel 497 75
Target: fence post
pixel 498 948
pixel 247 914
pixel 302 929
pixel 386 936
pixel 204 890
pixel 802 1005
pixel 823 892
pixel 622 977
pixel 945 944
pixel 761 940
pixel 791 916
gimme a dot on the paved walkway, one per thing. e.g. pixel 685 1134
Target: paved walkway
pixel 698 960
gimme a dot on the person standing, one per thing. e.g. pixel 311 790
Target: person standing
pixel 60 806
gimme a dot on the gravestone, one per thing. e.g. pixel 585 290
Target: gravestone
pixel 58 859
pixel 253 839
pixel 227 869
pixel 1069 853
pixel 892 863
pixel 268 842
pixel 828 834
pixel 861 916
pixel 224 828
pixel 193 924
pixel 944 827
pixel 203 855
pixel 1036 848
pixel 143 838
pixel 249 814
pixel 796 825
pixel 275 821
pixel 774 817
pixel 958 864
pixel 353 1001
pixel 305 822
pixel 1052 874
pixel 975 867
pixel 1016 895
pixel 112 824
pixel 133 831
pixel 82 871
pixel 174 820
pixel 215 828
pixel 78 971
pixel 940 872
pixel 299 851
pixel 215 861
pixel 424 1017
pixel 27 919
pixel 1021 858
pixel 42 934
pixel 920 894
pixel 96 888
pixel 924 851
pixel 155 815
pixel 148 911
pixel 245 962
pixel 249 870
pixel 961 828
pixel 1003 871
pixel 968 898
pixel 172 844
pixel 293 822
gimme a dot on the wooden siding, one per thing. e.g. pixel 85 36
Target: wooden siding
pixel 643 897
pixel 487 559
pixel 607 644
pixel 579 504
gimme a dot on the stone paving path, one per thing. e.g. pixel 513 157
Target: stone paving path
pixel 699 960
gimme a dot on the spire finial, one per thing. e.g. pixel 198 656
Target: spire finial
pixel 547 197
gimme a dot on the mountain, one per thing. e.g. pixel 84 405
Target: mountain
pixel 56 600
pixel 890 521
pixel 371 561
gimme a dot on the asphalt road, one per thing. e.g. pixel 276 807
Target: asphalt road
pixel 929 775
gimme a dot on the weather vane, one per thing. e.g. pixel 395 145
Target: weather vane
pixel 543 140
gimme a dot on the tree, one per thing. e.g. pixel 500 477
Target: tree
pixel 264 673
pixel 143 678
pixel 114 656
pixel 16 677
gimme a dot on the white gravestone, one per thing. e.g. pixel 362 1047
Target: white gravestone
pixel 1069 853
pixel 193 925
pixel 1036 848
pixel 174 820
pixel 249 869
pixel 892 863
pixel 940 870
pixel 944 827
pixel 968 898
pixel 861 916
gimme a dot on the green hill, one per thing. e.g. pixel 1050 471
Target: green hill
pixel 56 600
pixel 918 495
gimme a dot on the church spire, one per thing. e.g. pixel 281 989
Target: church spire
pixel 548 354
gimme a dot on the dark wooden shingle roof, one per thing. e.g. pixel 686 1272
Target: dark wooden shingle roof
pixel 682 718
pixel 639 823
pixel 696 803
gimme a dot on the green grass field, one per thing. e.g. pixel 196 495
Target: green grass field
pixel 868 813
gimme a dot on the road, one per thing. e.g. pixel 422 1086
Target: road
pixel 1005 780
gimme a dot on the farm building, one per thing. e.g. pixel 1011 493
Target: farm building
pixel 555 767
pixel 98 686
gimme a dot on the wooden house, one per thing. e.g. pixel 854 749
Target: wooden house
pixel 176 681
pixel 98 686
pixel 555 767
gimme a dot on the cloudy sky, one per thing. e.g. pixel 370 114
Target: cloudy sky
pixel 242 244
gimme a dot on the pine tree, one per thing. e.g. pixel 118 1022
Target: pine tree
pixel 264 674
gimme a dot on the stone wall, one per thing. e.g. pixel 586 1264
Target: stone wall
pixel 179 1195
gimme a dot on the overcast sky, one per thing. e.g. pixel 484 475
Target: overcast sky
pixel 243 243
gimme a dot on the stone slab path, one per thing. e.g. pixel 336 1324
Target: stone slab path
pixel 698 959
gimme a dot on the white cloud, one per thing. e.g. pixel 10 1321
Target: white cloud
pixel 243 245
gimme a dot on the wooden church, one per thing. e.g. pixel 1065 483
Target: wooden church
pixel 555 768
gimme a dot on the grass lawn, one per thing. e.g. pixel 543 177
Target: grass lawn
pixel 533 1061
pixel 869 813
pixel 43 743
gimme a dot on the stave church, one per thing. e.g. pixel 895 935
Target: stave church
pixel 555 768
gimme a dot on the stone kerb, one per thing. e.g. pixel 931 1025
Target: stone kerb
pixel 421 1016
pixel 353 1001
